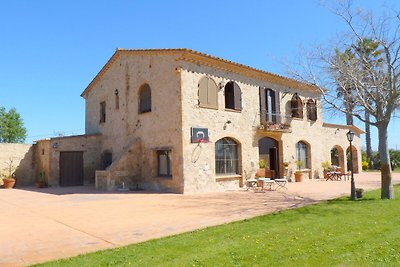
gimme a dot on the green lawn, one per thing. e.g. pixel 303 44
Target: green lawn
pixel 333 233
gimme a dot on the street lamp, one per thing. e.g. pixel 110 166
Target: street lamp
pixel 350 137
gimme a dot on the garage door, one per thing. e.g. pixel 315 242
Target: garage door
pixel 71 168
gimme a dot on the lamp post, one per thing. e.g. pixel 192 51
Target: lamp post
pixel 350 137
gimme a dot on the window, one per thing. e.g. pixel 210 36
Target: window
pixel 102 112
pixel 233 96
pixel 312 110
pixel 164 163
pixel 144 98
pixel 116 99
pixel 269 106
pixel 208 93
pixel 296 106
pixel 226 156
pixel 302 153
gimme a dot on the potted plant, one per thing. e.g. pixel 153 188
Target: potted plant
pixel 41 180
pixel 299 175
pixel 9 175
pixel 286 168
pixel 260 171
pixel 326 165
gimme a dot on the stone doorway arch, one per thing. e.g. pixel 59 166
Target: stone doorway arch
pixel 337 156
pixel 268 150
pixel 355 159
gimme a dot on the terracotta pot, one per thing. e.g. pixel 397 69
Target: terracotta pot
pixel 298 176
pixel 41 184
pixel 326 174
pixel 9 182
pixel 260 172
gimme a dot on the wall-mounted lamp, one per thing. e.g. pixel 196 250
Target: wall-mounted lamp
pixel 226 123
pixel 55 145
pixel 178 70
pixel 116 92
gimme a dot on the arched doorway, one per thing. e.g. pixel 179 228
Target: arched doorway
pixel 337 156
pixel 268 150
pixel 355 159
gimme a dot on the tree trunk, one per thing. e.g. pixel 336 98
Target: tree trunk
pixel 349 119
pixel 386 171
pixel 368 135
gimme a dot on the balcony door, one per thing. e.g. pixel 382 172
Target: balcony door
pixel 269 106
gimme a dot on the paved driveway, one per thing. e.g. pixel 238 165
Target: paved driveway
pixel 39 225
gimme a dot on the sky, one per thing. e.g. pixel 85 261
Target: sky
pixel 51 50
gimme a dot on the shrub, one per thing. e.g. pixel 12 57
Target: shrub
pixel 365 165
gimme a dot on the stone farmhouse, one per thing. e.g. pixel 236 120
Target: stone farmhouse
pixel 176 120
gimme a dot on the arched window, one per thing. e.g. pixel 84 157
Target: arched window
pixel 312 110
pixel 226 156
pixel 144 98
pixel 208 93
pixel 296 106
pixel 233 96
pixel 302 153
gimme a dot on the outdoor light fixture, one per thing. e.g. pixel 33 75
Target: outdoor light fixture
pixel 350 138
pixel 116 92
pixel 226 123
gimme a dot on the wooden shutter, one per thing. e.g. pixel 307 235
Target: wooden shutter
pixel 263 107
pixel 299 107
pixel 278 107
pixel 315 110
pixel 203 84
pixel 237 96
pixel 212 93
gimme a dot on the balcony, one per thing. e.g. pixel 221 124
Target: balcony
pixel 272 122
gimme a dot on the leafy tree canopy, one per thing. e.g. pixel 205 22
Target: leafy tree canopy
pixel 12 128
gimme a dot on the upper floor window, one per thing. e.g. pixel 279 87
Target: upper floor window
pixel 103 112
pixel 144 98
pixel 226 156
pixel 296 106
pixel 269 105
pixel 312 110
pixel 233 96
pixel 116 99
pixel 208 93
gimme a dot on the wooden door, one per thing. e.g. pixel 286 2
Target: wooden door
pixel 71 168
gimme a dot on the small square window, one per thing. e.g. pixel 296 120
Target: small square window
pixel 164 163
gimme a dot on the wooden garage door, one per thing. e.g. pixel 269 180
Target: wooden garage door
pixel 71 168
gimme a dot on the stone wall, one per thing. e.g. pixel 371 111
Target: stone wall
pixel 48 156
pixel 244 128
pixel 23 162
pixel 159 129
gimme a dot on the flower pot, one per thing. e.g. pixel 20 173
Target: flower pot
pixel 41 184
pixel 9 182
pixel 298 176
pixel 260 172
pixel 326 174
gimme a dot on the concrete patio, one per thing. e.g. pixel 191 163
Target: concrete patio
pixel 39 225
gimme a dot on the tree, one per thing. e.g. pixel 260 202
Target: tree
pixel 375 86
pixel 12 128
pixel 368 50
